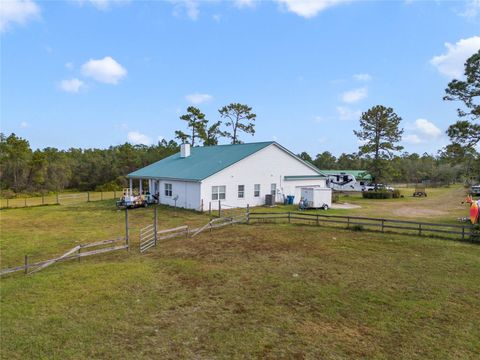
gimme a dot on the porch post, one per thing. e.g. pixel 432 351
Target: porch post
pixel 140 186
pixel 131 185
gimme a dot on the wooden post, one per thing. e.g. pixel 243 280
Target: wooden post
pixel 127 240
pixel 88 196
pixel 155 224
pixel 289 215
pixel 219 208
pixel 383 224
pixel 26 264
pixel 348 222
pixel 58 200
pixel 25 202
pixel 419 229
pixel 318 223
pixel 79 249
pixel 248 214
pixel 463 233
pixel 209 207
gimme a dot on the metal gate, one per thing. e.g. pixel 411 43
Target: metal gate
pixel 148 237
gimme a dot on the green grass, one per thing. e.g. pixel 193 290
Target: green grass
pixel 258 291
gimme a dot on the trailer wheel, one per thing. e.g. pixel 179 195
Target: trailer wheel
pixel 325 207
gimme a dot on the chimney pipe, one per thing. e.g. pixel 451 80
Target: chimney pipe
pixel 184 150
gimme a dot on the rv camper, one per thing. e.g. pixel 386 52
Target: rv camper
pixel 342 180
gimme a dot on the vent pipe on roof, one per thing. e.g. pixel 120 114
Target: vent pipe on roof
pixel 184 150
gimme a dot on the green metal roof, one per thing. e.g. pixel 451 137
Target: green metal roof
pixel 301 177
pixel 359 174
pixel 202 162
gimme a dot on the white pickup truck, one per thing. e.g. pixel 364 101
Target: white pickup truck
pixel 381 187
pixel 475 189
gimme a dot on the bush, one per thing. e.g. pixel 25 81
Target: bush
pixel 335 198
pixel 356 228
pixel 377 194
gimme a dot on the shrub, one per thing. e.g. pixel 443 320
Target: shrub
pixel 356 228
pixel 377 194
pixel 396 194
pixel 335 198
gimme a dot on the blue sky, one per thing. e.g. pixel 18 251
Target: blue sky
pixel 103 72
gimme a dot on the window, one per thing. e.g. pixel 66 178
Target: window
pixel 256 190
pixel 241 191
pixel 168 190
pixel 273 189
pixel 218 192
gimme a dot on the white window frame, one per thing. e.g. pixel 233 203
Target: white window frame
pixel 168 189
pixel 219 192
pixel 256 190
pixel 273 189
pixel 241 193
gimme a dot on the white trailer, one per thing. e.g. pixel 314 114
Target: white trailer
pixel 316 198
pixel 344 182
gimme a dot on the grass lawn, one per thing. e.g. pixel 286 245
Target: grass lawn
pixel 258 291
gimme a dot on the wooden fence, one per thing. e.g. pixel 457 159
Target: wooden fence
pixel 464 232
pixel 74 253
pixel 59 198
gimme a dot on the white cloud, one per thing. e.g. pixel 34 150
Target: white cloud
pixel 345 113
pixel 309 8
pixel 427 128
pixel 354 95
pixel 136 138
pixel 472 9
pixel 17 12
pixel 102 4
pixel 318 119
pixel 72 85
pixel 69 65
pixel 217 17
pixel 452 62
pixel 197 99
pixel 105 70
pixel 244 3
pixel 362 77
pixel 412 139
pixel 190 7
pixel 422 131
pixel 23 124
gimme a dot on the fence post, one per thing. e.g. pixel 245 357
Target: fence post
pixel 25 202
pixel 26 264
pixel 219 208
pixel 88 196
pixel 201 209
pixel 419 229
pixel 248 214
pixel 155 225
pixel 348 222
pixel 209 208
pixel 383 222
pixel 58 200
pixel 79 249
pixel 463 232
pixel 127 240
pixel 289 214
pixel 318 223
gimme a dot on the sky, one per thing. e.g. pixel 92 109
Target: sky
pixel 95 73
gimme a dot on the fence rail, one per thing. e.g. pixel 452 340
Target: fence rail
pixel 450 231
pixel 74 253
pixel 59 198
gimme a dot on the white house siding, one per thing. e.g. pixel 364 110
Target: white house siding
pixel 188 194
pixel 267 166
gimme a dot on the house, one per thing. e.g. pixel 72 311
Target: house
pixel 347 180
pixel 235 175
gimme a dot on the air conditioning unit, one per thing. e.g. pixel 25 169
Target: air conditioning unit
pixel 269 200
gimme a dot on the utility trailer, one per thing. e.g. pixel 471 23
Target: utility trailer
pixel 315 198
pixel 420 190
